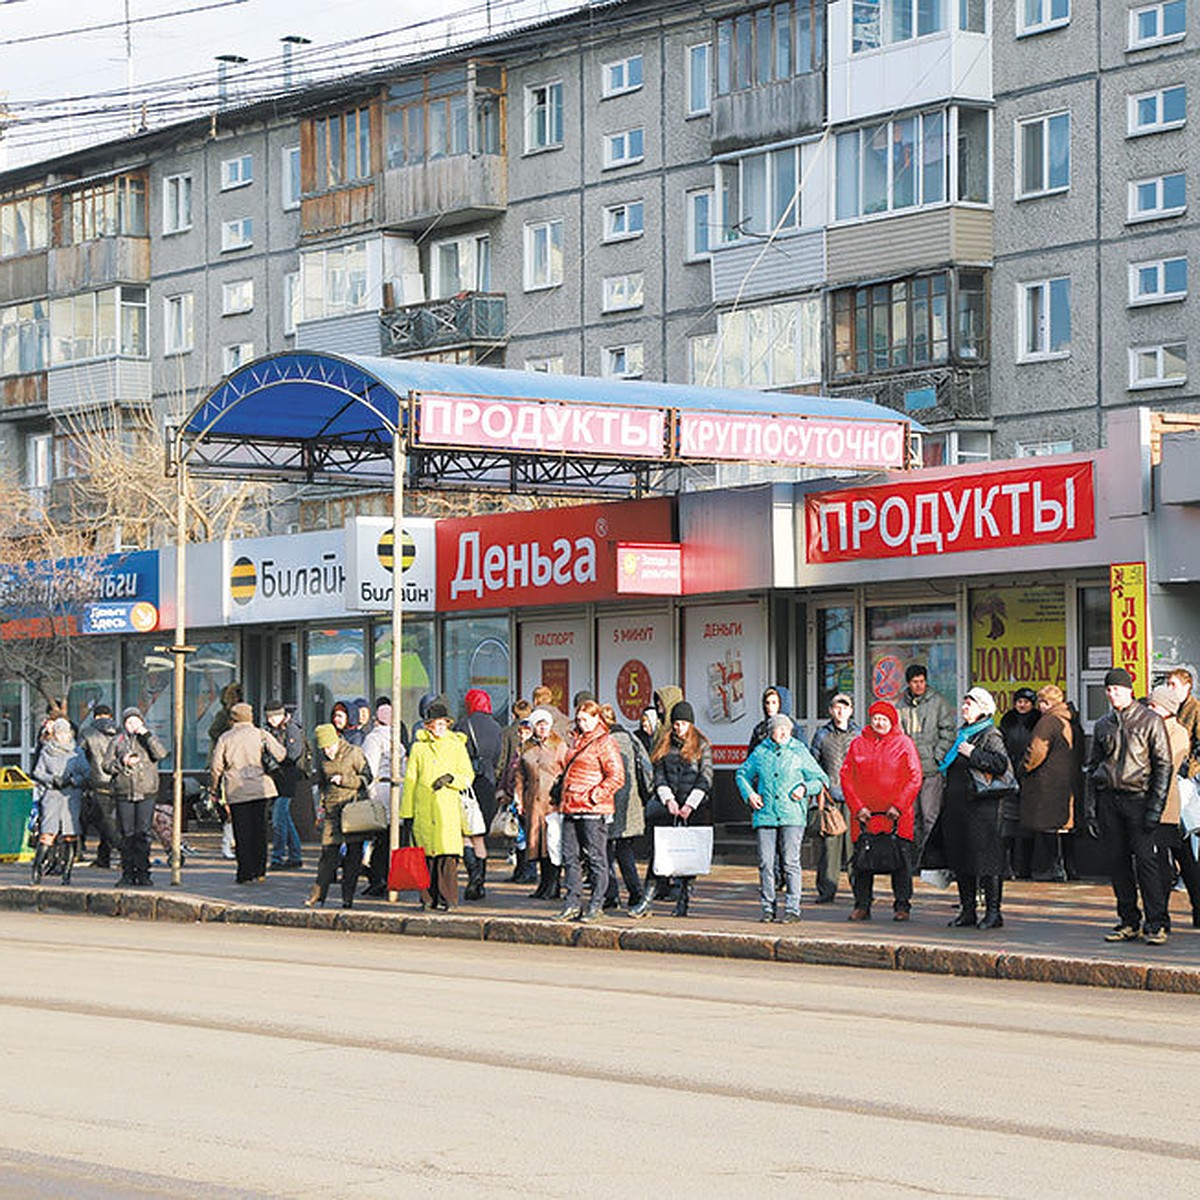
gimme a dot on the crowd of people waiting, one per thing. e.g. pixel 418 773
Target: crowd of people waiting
pixel 973 799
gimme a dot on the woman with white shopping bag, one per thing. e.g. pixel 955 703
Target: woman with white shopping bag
pixel 683 780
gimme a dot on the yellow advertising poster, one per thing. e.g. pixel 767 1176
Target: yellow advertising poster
pixel 1130 625
pixel 1018 639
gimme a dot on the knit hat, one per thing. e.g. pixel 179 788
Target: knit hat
pixel 241 712
pixel 131 711
pixel 477 701
pixel 778 721
pixel 437 711
pixel 1163 697
pixel 272 707
pixel 683 711
pixel 1118 677
pixel 887 708
pixel 325 735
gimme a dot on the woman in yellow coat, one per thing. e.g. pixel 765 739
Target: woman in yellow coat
pixel 439 768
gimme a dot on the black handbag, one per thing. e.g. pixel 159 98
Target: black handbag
pixel 878 853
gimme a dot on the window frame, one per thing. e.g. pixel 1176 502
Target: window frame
pixel 185 303
pixel 885 43
pixel 625 292
pixel 625 136
pixel 243 240
pixel 554 114
pixel 696 253
pixel 628 349
pixel 1139 299
pixel 1159 39
pixel 178 179
pixel 554 228
pixel 1159 380
pixel 291 197
pixel 1045 24
pixel 244 352
pixel 1158 125
pixel 234 307
pixel 691 77
pixel 237 172
pixel 550 364
pixel 1020 124
pixel 293 308
pixel 608 89
pixel 610 234
pixel 1043 448
pixel 1045 352
pixel 1159 212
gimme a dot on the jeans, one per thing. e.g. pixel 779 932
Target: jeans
pixel 622 855
pixel 771 839
pixel 287 848
pixel 584 837
pixel 135 817
pixel 1134 861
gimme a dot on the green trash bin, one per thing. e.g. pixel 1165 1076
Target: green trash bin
pixel 16 799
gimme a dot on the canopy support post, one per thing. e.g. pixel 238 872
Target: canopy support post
pixel 398 460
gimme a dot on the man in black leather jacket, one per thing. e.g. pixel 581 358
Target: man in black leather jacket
pixel 1130 771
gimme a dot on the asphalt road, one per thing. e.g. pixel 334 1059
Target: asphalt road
pixel 172 1060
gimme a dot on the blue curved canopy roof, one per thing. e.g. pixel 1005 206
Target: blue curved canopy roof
pixel 308 414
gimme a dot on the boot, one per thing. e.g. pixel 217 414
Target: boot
pixel 68 863
pixel 480 880
pixel 555 889
pixel 542 891
pixel 993 887
pixel 967 912
pixel 521 858
pixel 38 870
pixel 471 862
pixel 526 871
pixel 685 894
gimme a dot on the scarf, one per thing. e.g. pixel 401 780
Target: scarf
pixel 964 734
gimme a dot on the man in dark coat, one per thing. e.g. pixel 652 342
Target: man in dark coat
pixel 95 737
pixel 1016 728
pixel 829 746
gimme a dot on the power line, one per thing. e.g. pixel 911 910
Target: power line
pixel 62 33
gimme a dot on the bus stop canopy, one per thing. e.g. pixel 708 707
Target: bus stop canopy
pixel 306 416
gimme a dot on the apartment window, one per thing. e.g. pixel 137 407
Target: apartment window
pixel 543 254
pixel 177 323
pixel 177 203
pixel 972 16
pixel 624 221
pixel 237 172
pixel 955 447
pixel 765 345
pixel 236 355
pixel 24 338
pixel 237 297
pixel 333 282
pixel 1158 366
pixel 621 149
pixel 1152 112
pixel 907 162
pixel 114 207
pixel 699 223
pixel 1158 281
pixel 98 325
pixel 622 362
pixel 1043 449
pixel 237 235
pixel 291 177
pixel 623 76
pixel 39 459
pixel 430 116
pixel 291 302
pixel 900 324
pixel 1038 16
pixel 24 226
pixel 1162 196
pixel 543 116
pixel 1043 319
pixel 876 23
pixel 760 193
pixel 551 365
pixel 774 42
pixel 1043 155
pixel 623 292
pixel 460 265
pixel 342 148
pixel 1156 24
pixel 699 87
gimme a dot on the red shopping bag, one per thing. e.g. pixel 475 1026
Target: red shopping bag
pixel 409 872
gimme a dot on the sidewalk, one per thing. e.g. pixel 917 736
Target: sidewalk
pixel 1052 932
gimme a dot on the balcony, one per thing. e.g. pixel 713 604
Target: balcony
pixel 454 190
pixel 99 383
pixel 94 264
pixel 752 268
pixel 772 112
pixel 933 396
pixel 23 278
pixel 21 393
pixel 346 209
pixel 469 319
pixel 909 240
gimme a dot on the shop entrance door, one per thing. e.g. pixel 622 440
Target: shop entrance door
pixel 281 671
pixel 12 722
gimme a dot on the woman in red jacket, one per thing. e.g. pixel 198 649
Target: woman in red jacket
pixel 591 778
pixel 880 780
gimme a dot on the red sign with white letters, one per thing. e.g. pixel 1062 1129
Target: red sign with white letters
pixel 980 511
pixel 547 556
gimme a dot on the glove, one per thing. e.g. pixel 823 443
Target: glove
pixel 1093 830
pixel 443 781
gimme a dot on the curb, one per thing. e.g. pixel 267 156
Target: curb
pixel 915 958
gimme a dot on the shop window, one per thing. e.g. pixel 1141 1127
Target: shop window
pixel 1095 650
pixel 337 670
pixel 1018 639
pixel 835 654
pixel 418 665
pixel 900 635
pixel 476 655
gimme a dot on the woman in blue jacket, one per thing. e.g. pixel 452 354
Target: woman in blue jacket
pixel 776 780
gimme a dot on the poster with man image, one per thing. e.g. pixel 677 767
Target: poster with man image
pixel 635 657
pixel 725 649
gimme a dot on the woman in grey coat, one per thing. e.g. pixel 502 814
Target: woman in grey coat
pixel 62 770
pixel 629 813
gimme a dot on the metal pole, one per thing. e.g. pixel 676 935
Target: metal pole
pixel 180 655
pixel 397 631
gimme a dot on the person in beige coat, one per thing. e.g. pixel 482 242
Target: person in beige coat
pixel 238 765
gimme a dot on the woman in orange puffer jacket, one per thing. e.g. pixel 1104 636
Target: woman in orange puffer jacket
pixel 881 777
